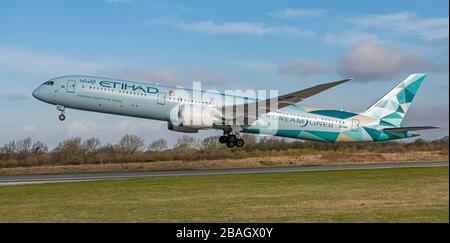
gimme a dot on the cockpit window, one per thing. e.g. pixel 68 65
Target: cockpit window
pixel 49 83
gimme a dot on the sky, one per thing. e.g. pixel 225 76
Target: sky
pixel 254 44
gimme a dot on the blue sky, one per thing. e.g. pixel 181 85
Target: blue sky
pixel 285 45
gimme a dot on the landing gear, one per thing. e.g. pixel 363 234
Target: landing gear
pixel 61 117
pixel 223 139
pixel 240 142
pixel 231 140
pixel 230 144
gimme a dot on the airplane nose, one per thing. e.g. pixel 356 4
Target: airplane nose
pixel 36 93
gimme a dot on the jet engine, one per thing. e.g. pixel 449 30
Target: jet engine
pixel 194 116
pixel 176 128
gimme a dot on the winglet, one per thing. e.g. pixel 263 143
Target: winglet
pixel 325 86
pixel 332 84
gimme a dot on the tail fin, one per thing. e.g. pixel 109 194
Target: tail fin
pixel 391 109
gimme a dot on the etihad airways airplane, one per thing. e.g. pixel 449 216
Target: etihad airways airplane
pixel 190 110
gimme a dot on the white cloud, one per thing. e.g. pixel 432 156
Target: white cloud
pixel 210 27
pixel 253 65
pixel 85 128
pixel 13 59
pixel 434 28
pixel 349 38
pixel 29 129
pixel 365 61
pixel 289 13
pixel 14 97
pixel 304 68
pixel 137 126
pixel 368 61
pixel 209 77
pixel 26 61
pixel 43 66
pixel 82 127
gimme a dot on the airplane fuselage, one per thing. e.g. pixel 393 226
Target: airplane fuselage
pixel 153 101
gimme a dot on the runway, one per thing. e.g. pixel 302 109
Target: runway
pixel 77 177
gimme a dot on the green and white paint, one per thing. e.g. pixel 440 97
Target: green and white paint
pixel 380 122
pixel 327 125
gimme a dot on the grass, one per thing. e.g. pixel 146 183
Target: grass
pixel 385 195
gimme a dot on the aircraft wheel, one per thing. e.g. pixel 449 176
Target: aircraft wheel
pixel 240 142
pixel 62 117
pixel 223 139
pixel 230 144
pixel 232 138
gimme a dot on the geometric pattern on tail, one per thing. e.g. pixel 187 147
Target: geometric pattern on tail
pixel 391 109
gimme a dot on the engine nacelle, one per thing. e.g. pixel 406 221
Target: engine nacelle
pixel 194 116
pixel 176 128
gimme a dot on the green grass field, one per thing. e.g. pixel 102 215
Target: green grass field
pixel 386 195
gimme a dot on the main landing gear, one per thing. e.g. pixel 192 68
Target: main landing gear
pixel 62 109
pixel 231 140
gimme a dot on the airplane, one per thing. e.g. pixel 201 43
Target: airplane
pixel 284 117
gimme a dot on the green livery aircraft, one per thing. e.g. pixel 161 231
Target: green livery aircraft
pixel 191 110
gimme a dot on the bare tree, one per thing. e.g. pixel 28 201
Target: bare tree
pixel 91 145
pixel 210 143
pixel 158 145
pixel 186 143
pixel 69 150
pixel 39 147
pixel 10 147
pixel 131 143
pixel 24 146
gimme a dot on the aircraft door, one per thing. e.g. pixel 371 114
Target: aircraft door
pixel 355 125
pixel 161 98
pixel 70 86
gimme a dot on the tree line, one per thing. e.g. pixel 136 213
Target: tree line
pixel 132 148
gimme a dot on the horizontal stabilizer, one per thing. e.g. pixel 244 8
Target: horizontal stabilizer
pixel 406 129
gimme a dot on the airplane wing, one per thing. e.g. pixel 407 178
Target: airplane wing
pixel 295 97
pixel 251 111
pixel 406 129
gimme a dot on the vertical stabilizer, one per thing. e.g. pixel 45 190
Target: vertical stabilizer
pixel 392 107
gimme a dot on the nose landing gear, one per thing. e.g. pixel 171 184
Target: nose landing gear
pixel 62 109
pixel 232 140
